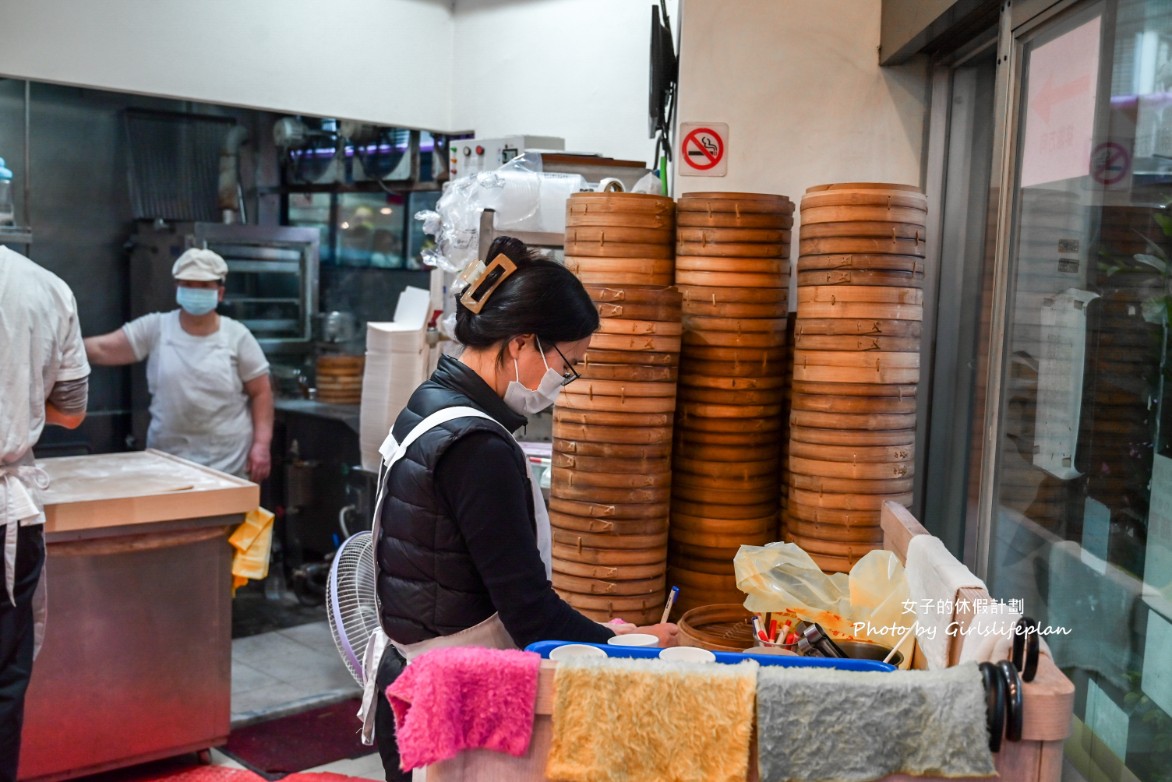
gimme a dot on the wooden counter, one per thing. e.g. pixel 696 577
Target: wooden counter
pixel 137 659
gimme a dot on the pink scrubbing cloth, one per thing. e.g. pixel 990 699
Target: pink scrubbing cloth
pixel 458 698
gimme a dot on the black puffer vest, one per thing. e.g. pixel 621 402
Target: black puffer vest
pixel 427 584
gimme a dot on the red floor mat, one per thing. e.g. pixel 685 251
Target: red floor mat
pixel 300 741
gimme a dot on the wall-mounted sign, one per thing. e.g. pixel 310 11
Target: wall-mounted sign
pixel 703 149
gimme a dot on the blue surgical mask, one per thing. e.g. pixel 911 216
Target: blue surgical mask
pixel 197 301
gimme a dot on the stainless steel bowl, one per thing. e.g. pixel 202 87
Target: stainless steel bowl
pixel 865 650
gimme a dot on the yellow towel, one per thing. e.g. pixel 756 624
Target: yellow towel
pixel 253 541
pixel 648 720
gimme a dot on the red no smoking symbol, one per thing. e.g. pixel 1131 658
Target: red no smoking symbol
pixel 703 149
pixel 1110 163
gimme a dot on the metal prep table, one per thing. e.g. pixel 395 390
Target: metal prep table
pixel 137 659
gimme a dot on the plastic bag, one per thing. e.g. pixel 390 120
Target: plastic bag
pixel 868 604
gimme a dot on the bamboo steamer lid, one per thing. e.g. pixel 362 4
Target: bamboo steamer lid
pixel 617 404
pixel 608 572
pixel 626 265
pixel 754 220
pixel 584 251
pixel 691 438
pixel 753 526
pixel 855 389
pixel 613 480
pixel 703 494
pixel 838 516
pixel 611 450
pixel 841 214
pixel 690 537
pixel 604 419
pixel 718 628
pixel 817 483
pixel 623 203
pixel 720 396
pixel 858 343
pixel 846 436
pixel 634 294
pixel 718 379
pixel 628 327
pixel 886 454
pixel 589 540
pixel 733 235
pixel 612 605
pixel 619 527
pixel 735 202
pixel 709 410
pixel 726 453
pixel 879 374
pixel 739 325
pixel 873 360
pixel 586 275
pixel 869 421
pixel 605 555
pixel 604 234
pixel 696 423
pixel 640 357
pixel 732 279
pixel 860 244
pixel 628 388
pixel 733 339
pixel 885 229
pixel 775 267
pixel 591 586
pixel 761 355
pixel 716 295
pixel 865 194
pixel 604 495
pixel 721 512
pixel 578 217
pixel 861 262
pixel 642 374
pixel 853 405
pixel 833 326
pixel 600 464
pixel 725 255
pixel 870 471
pixel 642 343
pixel 582 434
pixel 853 550
pixel 846 501
pixel 723 471
pixel 859 310
pixel 813 529
pixel 832 294
pixel 594 510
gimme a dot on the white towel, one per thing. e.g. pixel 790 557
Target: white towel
pixel 933 578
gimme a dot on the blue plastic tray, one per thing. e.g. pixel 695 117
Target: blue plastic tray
pixel 544 647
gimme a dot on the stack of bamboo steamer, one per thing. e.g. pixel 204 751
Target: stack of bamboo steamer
pixel 732 268
pixel 856 366
pixel 339 379
pixel 612 428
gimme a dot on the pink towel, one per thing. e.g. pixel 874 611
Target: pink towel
pixel 464 697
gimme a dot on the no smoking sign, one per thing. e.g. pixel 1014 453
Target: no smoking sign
pixel 703 149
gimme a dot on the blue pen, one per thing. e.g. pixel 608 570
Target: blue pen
pixel 671 598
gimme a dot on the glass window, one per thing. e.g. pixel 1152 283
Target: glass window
pixel 1081 527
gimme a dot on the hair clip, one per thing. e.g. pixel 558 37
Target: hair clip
pixel 482 280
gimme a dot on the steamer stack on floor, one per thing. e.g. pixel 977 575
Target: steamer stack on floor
pixel 732 268
pixel 856 366
pixel 612 429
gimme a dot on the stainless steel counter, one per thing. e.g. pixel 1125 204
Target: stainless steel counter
pixel 347 414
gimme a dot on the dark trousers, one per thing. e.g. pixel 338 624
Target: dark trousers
pixel 384 719
pixel 16 643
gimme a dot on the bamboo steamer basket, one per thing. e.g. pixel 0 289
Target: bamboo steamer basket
pixel 739 412
pixel 724 453
pixel 886 454
pixel 817 483
pixel 877 278
pixel 688 437
pixel 875 361
pixel 773 266
pixel 594 510
pixel 604 419
pixel 760 481
pixel 577 539
pixel 633 294
pixel 339 379
pixel 861 262
pixel 725 425
pixel 740 470
pixel 623 588
pixel 732 279
pixel 853 405
pixel 742 355
pixel 606 555
pixel 752 220
pixel 842 214
pixel 622 235
pixel 705 583
pixel 739 203
pixel 622 267
pixel 660 313
pixel 608 572
pixel 649 343
pixel 885 229
pixel 716 564
pixel 605 495
pixel 835 548
pixel 598 250
pixel 733 339
pixel 720 540
pixel 582 216
pixel 601 464
pixel 725 255
pixel 737 311
pixel 646 617
pixel 639 373
pixel 707 495
pixel 861 244
pixel 613 480
pixel 869 194
pixel 832 294
pixel 718 295
pixel 616 435
pixel 733 236
pixel 592 387
pixel 813 529
pixel 628 327
pixel 835 326
pixel 631 277
pixel 872 471
pixel 901 391
pixel 720 396
pixel 856 343
pixel 718 628
pixel 856 310
pixel 620 527
pixel 721 378
pixel 678 552
pixel 838 516
pixel 623 203
pixel 884 375
pixel 640 357
pixel 717 511
pixel 847 436
pixel 586 448
pixel 683 521
pixel 851 502
pixel 740 325
pixel 613 606
pixel 618 404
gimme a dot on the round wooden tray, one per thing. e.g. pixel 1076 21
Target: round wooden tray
pixel 835 326
pixel 718 628
pixel 835 294
pixel 572 523
pixel 587 252
pixel 842 214
pixel 612 605
pixel 610 450
pixel 731 279
pixel 853 405
pixel 823 436
pixel 591 433
pixel 603 495
pixel 742 425
pixel 720 380
pixel 859 311
pixel 660 313
pixel 642 343
pixel 726 255
pixel 703 494
pixel 617 404
pixel 854 389
pixel 733 235
pixel 589 586
pixel 849 518
pixel 595 510
pixel 634 372
pixel 628 327
pixel 723 396
pixel 601 464
pixel 588 570
pixel 604 419
pixel 821 485
pixel 831 374
pixel 885 229
pixel 862 262
pixel 608 556
pixel 747 469
pixel 744 355
pixel 845 501
pixel 603 235
pixel 626 388
pixel 762 220
pixel 732 339
pixel 638 357
pixel 861 244
pixel 564 479
pixel 868 421
pixel 856 343
pixel 886 454
pixel 661 279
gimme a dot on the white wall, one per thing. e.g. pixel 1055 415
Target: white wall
pixel 382 61
pixel 570 68
pixel 800 86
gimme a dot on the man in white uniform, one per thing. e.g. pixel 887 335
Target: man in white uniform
pixel 43 379
pixel 211 401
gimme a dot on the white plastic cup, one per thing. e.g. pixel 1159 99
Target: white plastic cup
pixel 634 639
pixel 687 654
pixel 575 650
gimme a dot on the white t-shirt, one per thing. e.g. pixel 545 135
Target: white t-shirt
pixel 40 345
pixel 199 408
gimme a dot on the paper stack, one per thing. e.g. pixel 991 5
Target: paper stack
pixel 397 361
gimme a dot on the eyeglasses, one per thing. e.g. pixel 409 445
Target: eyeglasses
pixel 571 374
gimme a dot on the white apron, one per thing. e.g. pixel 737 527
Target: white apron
pixel 21 483
pixel 491 632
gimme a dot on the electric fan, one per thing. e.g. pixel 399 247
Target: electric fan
pixel 350 601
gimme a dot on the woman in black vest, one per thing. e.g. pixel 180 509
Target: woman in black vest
pixel 463 543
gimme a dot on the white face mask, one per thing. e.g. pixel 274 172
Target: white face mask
pixel 529 401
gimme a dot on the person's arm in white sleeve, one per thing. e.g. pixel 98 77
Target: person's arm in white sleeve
pixel 260 405
pixel 110 350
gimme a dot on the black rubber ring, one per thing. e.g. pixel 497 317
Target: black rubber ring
pixel 1018 654
pixel 1032 652
pixel 994 704
pixel 1014 701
